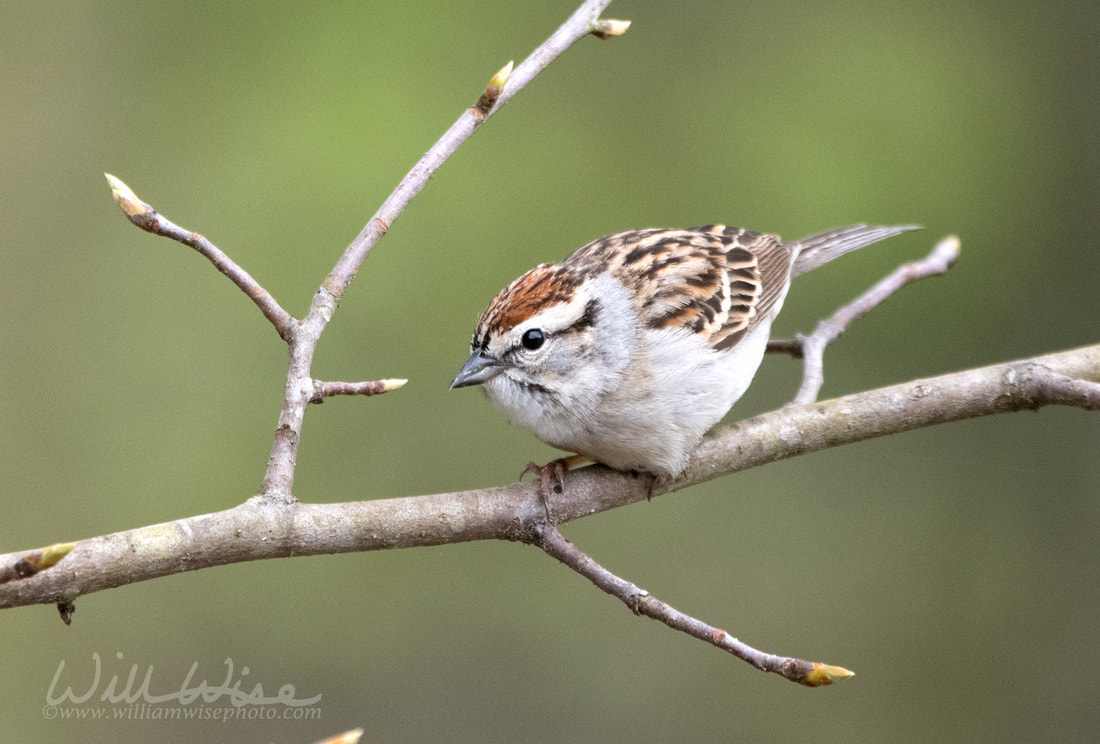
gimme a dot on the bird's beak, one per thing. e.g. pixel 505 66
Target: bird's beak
pixel 479 368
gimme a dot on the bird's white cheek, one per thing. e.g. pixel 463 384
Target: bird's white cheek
pixel 503 392
pixel 514 399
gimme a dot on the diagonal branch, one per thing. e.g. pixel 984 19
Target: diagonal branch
pixel 142 215
pixel 812 348
pixel 586 20
pixel 641 602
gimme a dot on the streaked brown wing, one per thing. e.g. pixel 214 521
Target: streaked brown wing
pixel 773 260
pixel 716 281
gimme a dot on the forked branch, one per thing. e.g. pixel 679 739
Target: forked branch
pixel 811 349
pixel 260 529
pixel 273 524
pixel 304 335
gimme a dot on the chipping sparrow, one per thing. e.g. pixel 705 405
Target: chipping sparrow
pixel 630 349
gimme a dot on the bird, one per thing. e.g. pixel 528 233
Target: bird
pixel 631 348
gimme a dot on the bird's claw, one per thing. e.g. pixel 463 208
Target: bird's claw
pixel 555 469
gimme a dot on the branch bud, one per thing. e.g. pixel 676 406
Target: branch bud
pixel 137 211
pixel 949 249
pixel 388 385
pixel 605 28
pixel 348 737
pixel 826 674
pixel 53 554
pixel 493 90
pixel 39 560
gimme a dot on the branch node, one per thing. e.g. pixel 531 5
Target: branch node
pixel 1049 387
pixel 812 348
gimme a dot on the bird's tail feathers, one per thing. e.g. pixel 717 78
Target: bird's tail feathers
pixel 818 250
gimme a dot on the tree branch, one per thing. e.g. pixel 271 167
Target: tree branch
pixel 586 20
pixel 273 524
pixel 811 349
pixel 1053 387
pixel 148 219
pixel 322 390
pixel 641 602
pixel 303 336
pixel 261 529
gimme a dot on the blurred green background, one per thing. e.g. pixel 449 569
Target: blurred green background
pixel 960 579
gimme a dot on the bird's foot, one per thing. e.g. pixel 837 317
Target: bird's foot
pixel 556 470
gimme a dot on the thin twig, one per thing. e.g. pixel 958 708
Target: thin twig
pixel 812 348
pixel 1053 387
pixel 641 602
pixel 144 216
pixel 322 390
pixel 508 82
pixel 792 346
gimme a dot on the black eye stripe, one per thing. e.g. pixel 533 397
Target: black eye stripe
pixel 587 320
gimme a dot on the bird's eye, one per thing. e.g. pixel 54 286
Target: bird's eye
pixel 532 339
